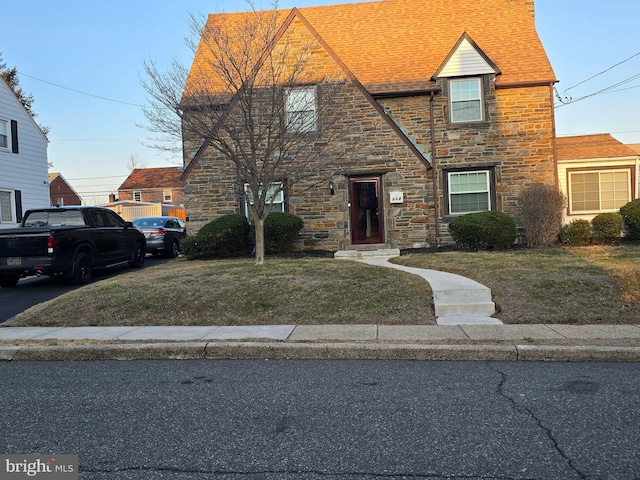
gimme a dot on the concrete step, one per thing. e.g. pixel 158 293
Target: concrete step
pixel 478 309
pixel 367 253
pixel 464 295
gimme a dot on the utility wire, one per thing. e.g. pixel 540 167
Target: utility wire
pixel 604 71
pixel 84 93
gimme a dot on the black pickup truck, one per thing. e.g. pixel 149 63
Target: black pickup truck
pixel 68 242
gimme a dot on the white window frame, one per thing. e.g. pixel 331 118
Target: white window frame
pixel 466 98
pixel 167 195
pixel 5 134
pixel 7 196
pixel 301 109
pixel 278 201
pixel 137 195
pixel 571 174
pixel 451 194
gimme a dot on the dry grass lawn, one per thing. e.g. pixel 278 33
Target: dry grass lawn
pixel 586 285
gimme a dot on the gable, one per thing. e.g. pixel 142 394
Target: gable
pixel 466 59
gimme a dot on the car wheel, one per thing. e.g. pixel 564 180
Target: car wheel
pixel 81 272
pixel 9 281
pixel 174 250
pixel 137 256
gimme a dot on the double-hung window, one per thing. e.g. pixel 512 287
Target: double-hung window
pixel 166 196
pixel 4 134
pixel 137 196
pixel 466 100
pixel 595 191
pixel 469 192
pixel 275 196
pixel 300 109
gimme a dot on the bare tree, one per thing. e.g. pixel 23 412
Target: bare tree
pixel 134 162
pixel 252 99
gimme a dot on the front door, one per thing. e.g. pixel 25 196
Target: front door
pixel 365 210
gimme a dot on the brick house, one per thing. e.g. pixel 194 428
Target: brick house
pixel 597 174
pixel 153 185
pixel 61 192
pixel 449 111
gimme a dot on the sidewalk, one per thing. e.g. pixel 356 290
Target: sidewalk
pixel 406 342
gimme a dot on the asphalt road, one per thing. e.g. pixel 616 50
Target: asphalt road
pixel 34 290
pixel 327 419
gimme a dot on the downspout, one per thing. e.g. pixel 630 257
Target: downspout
pixel 553 132
pixel 434 166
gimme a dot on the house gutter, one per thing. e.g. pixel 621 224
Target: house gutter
pixel 434 166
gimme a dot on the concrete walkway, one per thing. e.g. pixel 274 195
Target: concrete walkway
pixel 457 300
pixel 415 342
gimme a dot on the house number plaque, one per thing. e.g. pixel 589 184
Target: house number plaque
pixel 396 197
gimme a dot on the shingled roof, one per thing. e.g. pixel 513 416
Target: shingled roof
pixel 142 178
pixel 398 45
pixel 601 145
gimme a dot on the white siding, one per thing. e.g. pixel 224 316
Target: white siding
pixel 26 170
pixel 466 60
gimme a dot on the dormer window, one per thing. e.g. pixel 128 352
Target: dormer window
pixel 466 100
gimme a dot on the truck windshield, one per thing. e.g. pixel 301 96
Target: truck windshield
pixel 54 219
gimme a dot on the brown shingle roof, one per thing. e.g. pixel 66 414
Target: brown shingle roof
pixel 399 44
pixel 602 145
pixel 142 178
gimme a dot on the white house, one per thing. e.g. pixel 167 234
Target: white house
pixel 23 160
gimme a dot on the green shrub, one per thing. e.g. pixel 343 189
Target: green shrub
pixel 226 236
pixel 483 230
pixel 577 233
pixel 606 228
pixel 280 230
pixel 541 208
pixel 631 218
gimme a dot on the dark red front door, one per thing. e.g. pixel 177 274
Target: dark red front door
pixel 365 210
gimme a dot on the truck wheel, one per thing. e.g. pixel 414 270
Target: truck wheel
pixel 137 256
pixel 9 281
pixel 81 269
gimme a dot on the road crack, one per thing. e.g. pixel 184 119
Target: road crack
pixel 545 429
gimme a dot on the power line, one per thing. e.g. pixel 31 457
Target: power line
pixel 84 93
pixel 604 71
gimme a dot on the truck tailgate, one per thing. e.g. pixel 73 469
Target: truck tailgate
pixel 21 243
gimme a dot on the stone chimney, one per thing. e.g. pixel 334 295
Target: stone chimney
pixel 112 197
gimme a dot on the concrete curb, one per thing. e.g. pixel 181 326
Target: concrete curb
pixel 320 350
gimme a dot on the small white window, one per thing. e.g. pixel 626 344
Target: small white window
pixel 469 192
pixel 4 138
pixel 466 100
pixel 300 109
pixel 166 196
pixel 7 211
pixel 137 196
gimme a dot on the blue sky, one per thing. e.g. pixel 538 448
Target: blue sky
pixel 82 62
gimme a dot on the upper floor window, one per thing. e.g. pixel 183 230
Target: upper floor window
pixel 594 191
pixel 469 192
pixel 137 196
pixel 466 100
pixel 166 195
pixel 300 109
pixel 4 138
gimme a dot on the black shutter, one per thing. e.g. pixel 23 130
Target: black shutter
pixel 14 136
pixel 18 196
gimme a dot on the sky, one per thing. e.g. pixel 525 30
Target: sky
pixel 82 60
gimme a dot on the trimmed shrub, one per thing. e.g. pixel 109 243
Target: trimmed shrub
pixel 280 230
pixel 577 233
pixel 606 228
pixel 226 236
pixel 542 208
pixel 631 218
pixel 483 230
